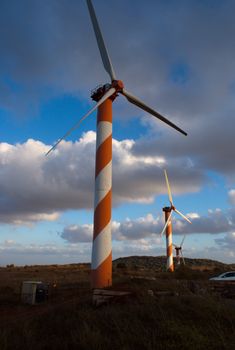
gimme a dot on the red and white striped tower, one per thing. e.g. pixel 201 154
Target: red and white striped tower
pixel 101 261
pixel 169 246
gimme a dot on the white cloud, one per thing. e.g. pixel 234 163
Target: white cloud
pixel 231 195
pixel 228 242
pixel 35 188
pixel 193 215
pixel 215 222
pixel 148 228
pixel 76 233
pixel 9 242
pixel 20 254
pixel 130 237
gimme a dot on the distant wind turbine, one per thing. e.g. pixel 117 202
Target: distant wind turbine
pixel 168 227
pixel 179 253
pixel 101 264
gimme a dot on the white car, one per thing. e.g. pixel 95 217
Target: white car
pixel 226 276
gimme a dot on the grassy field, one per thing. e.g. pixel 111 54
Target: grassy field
pixel 182 313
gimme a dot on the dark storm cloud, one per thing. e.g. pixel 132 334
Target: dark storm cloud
pixel 52 44
pixel 209 145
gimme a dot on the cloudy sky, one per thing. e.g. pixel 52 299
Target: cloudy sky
pixel 178 57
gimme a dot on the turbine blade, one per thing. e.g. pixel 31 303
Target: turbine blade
pixel 166 224
pixel 183 216
pixel 175 245
pixel 100 41
pixel 142 105
pixel 181 244
pixel 109 93
pixel 168 188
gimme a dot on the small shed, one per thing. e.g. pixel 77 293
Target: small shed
pixel 34 292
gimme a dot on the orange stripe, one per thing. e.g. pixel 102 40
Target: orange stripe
pixel 103 155
pixel 102 215
pixel 102 276
pixel 171 268
pixel 105 112
pixel 169 229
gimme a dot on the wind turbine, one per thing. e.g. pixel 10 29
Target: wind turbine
pixel 178 250
pixel 168 226
pixel 101 264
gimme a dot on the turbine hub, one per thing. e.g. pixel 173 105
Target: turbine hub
pixel 118 85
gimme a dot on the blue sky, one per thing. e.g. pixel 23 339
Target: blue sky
pixel 178 57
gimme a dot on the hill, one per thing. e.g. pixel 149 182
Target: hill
pixel 164 311
pixel 158 263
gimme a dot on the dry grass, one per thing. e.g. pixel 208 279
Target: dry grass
pixel 188 319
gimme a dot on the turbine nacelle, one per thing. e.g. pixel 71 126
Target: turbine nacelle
pixel 101 90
